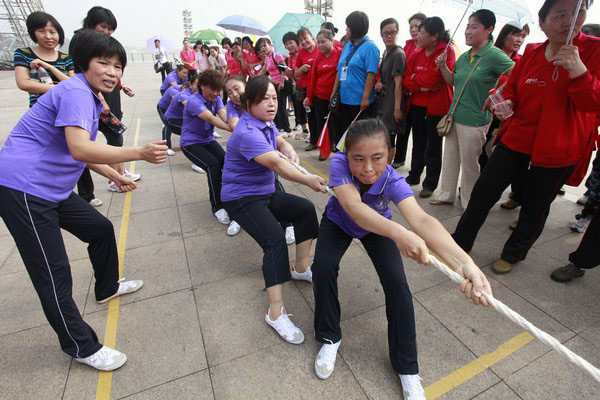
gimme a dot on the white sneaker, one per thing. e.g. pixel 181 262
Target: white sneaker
pixel 112 187
pixel 290 237
pixel 412 388
pixel 222 216
pixel 217 135
pixel 302 276
pixel 198 169
pixel 233 229
pixel 125 287
pixel 170 152
pixel 96 202
pixel 285 328
pixel 325 361
pixel 132 176
pixel 105 359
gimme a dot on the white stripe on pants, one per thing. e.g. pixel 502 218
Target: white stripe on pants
pixel 462 149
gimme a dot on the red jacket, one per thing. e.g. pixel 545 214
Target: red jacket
pixel 554 120
pixel 503 78
pixel 323 74
pixel 428 75
pixel 409 47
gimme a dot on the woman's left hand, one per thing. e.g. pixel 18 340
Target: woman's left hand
pixel 124 183
pixel 398 116
pixel 568 58
pixel 364 104
pixel 476 283
pixel 293 157
pixel 128 91
pixel 39 63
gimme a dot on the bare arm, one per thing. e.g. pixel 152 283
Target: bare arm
pixel 214 120
pixel 232 122
pixel 286 170
pixel 82 149
pixel 398 97
pixel 26 84
pixel 369 85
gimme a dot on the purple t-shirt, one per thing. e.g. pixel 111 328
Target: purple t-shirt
pixel 195 130
pixel 233 111
pixel 166 98
pixel 171 77
pixel 390 186
pixel 35 158
pixel 175 110
pixel 242 175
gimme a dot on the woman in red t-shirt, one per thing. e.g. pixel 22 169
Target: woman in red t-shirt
pixel 188 58
pixel 429 98
pixel 322 80
pixel 554 92
pixel 304 62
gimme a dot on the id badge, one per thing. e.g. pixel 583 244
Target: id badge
pixel 344 73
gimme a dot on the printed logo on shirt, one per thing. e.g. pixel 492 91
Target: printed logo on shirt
pixel 380 204
pixel 536 82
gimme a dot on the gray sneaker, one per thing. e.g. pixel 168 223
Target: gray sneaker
pixel 581 224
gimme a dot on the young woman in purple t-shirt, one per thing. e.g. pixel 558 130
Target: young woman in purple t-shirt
pixel 40 164
pixel 235 86
pixel 250 196
pixel 364 185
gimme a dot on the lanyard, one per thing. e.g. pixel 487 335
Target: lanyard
pixel 351 49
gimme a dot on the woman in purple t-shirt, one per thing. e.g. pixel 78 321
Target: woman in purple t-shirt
pixel 249 195
pixel 203 112
pixel 40 164
pixel 364 185
pixel 235 86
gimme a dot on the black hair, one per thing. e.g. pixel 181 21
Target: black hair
pixel 204 47
pixel 255 91
pixel 193 79
pixel 330 27
pixel 358 22
pixel 327 33
pixel 38 20
pixel 99 15
pixel 418 16
pixel 91 44
pixel 211 78
pixel 388 21
pixel 435 26
pixel 366 128
pixel 486 18
pixel 591 29
pixel 304 31
pixel 156 40
pixel 247 39
pixel 506 31
pixel 238 78
pixel 180 67
pixel 225 41
pixel 236 42
pixel 196 45
pixel 290 36
pixel 548 4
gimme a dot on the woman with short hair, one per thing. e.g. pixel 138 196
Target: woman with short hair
pixel 45 31
pixel 188 58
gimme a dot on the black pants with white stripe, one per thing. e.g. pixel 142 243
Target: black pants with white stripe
pixel 211 158
pixel 35 225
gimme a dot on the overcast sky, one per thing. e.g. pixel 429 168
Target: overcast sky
pixel 140 19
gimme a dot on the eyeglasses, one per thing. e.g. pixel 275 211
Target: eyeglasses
pixel 389 34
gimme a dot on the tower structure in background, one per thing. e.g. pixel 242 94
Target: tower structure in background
pixel 13 32
pixel 322 7
pixel 187 23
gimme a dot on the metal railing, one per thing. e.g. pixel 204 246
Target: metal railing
pixel 148 57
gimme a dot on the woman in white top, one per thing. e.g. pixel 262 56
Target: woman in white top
pixel 161 56
pixel 202 53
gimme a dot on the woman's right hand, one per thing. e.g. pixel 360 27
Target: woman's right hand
pixel 412 246
pixel 155 152
pixel 316 183
pixel 442 59
pixel 498 109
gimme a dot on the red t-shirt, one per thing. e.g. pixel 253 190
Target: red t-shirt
pixel 409 48
pixel 234 67
pixel 189 57
pixel 304 57
pixel 324 72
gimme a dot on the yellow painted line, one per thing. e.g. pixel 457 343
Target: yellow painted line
pixel 112 319
pixel 475 367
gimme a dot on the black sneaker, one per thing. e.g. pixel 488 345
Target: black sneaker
pixel 397 165
pixel 412 181
pixel 566 273
pixel 310 147
pixel 425 193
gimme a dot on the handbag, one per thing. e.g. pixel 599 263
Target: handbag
pixel 334 102
pixel 445 125
pixel 158 66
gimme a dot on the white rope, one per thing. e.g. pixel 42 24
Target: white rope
pixel 522 322
pixel 500 307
